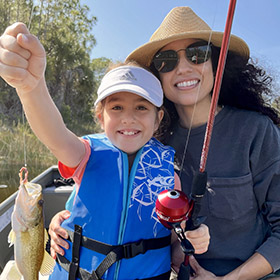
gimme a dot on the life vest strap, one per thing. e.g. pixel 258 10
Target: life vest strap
pixel 113 253
pixel 125 251
pixel 74 265
pixel 85 275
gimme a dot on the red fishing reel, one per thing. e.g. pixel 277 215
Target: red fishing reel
pixel 172 207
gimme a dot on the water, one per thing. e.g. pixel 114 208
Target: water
pixel 9 178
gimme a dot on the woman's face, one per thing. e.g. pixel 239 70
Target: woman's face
pixel 188 83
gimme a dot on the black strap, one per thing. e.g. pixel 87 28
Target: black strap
pixel 113 253
pixel 85 275
pixel 110 259
pixel 74 265
pixel 125 251
pixel 131 250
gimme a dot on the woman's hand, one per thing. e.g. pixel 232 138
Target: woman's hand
pixel 199 238
pixel 200 272
pixel 58 234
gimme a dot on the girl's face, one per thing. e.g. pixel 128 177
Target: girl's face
pixel 129 121
pixel 188 84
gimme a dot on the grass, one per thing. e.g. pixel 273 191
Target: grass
pixel 19 146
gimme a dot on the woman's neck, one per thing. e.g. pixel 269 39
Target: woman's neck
pixel 193 116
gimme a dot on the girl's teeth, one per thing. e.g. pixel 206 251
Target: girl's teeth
pixel 128 133
pixel 187 84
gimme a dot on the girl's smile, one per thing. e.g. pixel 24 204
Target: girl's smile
pixel 129 121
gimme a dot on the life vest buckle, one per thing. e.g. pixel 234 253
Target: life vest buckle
pixel 131 250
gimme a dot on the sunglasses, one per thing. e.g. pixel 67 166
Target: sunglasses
pixel 196 53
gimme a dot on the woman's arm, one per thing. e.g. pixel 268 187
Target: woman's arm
pixel 254 268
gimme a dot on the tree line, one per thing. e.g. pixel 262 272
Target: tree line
pixel 65 28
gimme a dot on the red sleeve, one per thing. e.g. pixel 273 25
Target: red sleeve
pixel 76 172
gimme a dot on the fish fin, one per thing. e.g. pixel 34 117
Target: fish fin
pixel 47 264
pixel 46 238
pixel 12 238
pixel 10 272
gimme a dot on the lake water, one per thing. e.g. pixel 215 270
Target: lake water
pixel 9 178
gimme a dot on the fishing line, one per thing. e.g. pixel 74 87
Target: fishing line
pixel 23 114
pixel 194 108
pixel 31 15
pixel 24 139
pixel 198 93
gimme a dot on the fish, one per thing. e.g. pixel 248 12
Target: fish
pixel 28 234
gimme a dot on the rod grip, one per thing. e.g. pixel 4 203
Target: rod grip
pixel 198 190
pixel 184 272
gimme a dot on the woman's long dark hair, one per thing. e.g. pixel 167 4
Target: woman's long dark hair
pixel 245 86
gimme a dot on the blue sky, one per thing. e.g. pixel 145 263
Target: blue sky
pixel 123 25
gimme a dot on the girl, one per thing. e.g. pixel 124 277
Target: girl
pixel 113 231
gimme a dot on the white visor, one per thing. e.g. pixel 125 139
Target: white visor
pixel 131 79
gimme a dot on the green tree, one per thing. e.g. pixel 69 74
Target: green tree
pixel 11 11
pixel 65 30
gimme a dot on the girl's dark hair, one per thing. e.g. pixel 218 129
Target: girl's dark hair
pixel 245 86
pixel 164 125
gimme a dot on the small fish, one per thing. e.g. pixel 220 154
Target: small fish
pixel 28 234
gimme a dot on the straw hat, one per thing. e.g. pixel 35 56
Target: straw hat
pixel 182 23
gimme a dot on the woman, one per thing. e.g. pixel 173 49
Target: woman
pixel 243 203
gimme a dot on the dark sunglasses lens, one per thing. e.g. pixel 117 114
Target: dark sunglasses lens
pixel 165 61
pixel 198 54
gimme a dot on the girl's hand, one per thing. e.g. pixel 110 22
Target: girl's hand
pixel 58 234
pixel 22 58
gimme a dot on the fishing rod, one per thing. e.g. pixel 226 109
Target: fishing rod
pixel 169 203
pixel 200 179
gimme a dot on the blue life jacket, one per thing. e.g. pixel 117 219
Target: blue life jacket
pixel 115 211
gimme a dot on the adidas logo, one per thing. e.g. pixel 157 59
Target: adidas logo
pixel 128 76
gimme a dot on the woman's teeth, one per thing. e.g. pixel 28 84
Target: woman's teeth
pixel 187 84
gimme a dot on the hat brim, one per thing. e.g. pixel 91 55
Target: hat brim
pixel 135 89
pixel 145 53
